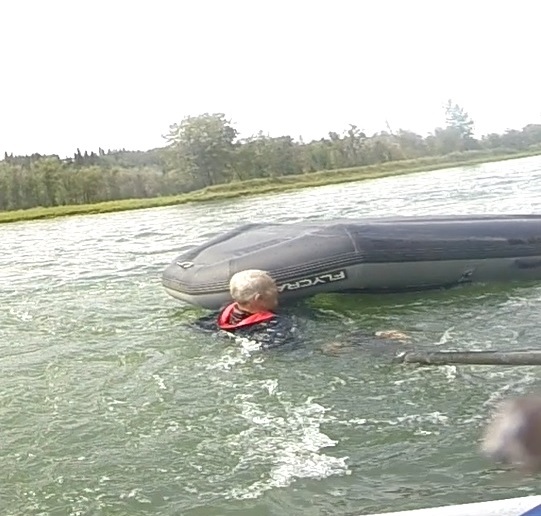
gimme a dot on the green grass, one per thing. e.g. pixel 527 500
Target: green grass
pixel 273 185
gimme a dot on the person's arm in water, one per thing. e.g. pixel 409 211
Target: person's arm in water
pixel 207 322
pixel 379 342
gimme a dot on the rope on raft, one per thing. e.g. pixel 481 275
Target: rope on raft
pixel 512 358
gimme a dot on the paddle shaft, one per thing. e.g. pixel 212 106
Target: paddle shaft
pixel 532 357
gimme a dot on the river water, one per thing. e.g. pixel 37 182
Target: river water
pixel 110 404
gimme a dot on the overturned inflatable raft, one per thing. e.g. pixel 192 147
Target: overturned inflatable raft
pixel 365 255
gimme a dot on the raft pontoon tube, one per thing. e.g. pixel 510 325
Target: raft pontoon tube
pixel 365 255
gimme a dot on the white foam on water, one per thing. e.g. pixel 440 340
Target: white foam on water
pixel 286 440
pixel 510 387
pixel 226 362
pixel 432 417
pixel 160 382
pixel 135 493
pixel 240 353
pixel 23 315
pixel 518 302
pixel 450 372
pixel 446 337
pixel 422 424
pixel 270 385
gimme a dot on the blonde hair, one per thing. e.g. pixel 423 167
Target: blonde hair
pixel 244 286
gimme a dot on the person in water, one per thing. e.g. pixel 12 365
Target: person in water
pixel 252 314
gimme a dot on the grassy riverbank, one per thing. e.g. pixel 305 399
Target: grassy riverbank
pixel 273 185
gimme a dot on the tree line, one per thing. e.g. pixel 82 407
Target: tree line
pixel 206 150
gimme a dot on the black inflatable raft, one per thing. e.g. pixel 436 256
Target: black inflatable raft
pixel 367 255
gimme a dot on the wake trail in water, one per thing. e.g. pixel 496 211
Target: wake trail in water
pixel 283 436
pixel 286 438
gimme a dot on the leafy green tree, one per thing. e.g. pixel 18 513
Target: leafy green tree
pixel 204 146
pixel 48 187
pixel 354 145
pixel 411 144
pixel 456 117
pixel 460 123
pixel 492 141
pixel 445 141
pixel 317 156
pixel 532 134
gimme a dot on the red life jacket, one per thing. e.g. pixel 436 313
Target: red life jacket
pixel 224 324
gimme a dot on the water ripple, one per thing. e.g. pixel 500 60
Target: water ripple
pixel 112 404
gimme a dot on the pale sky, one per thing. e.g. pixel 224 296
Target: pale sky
pixel 115 74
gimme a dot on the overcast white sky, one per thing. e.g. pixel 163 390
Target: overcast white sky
pixel 116 74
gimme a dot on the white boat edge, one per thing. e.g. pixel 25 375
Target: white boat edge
pixel 505 507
